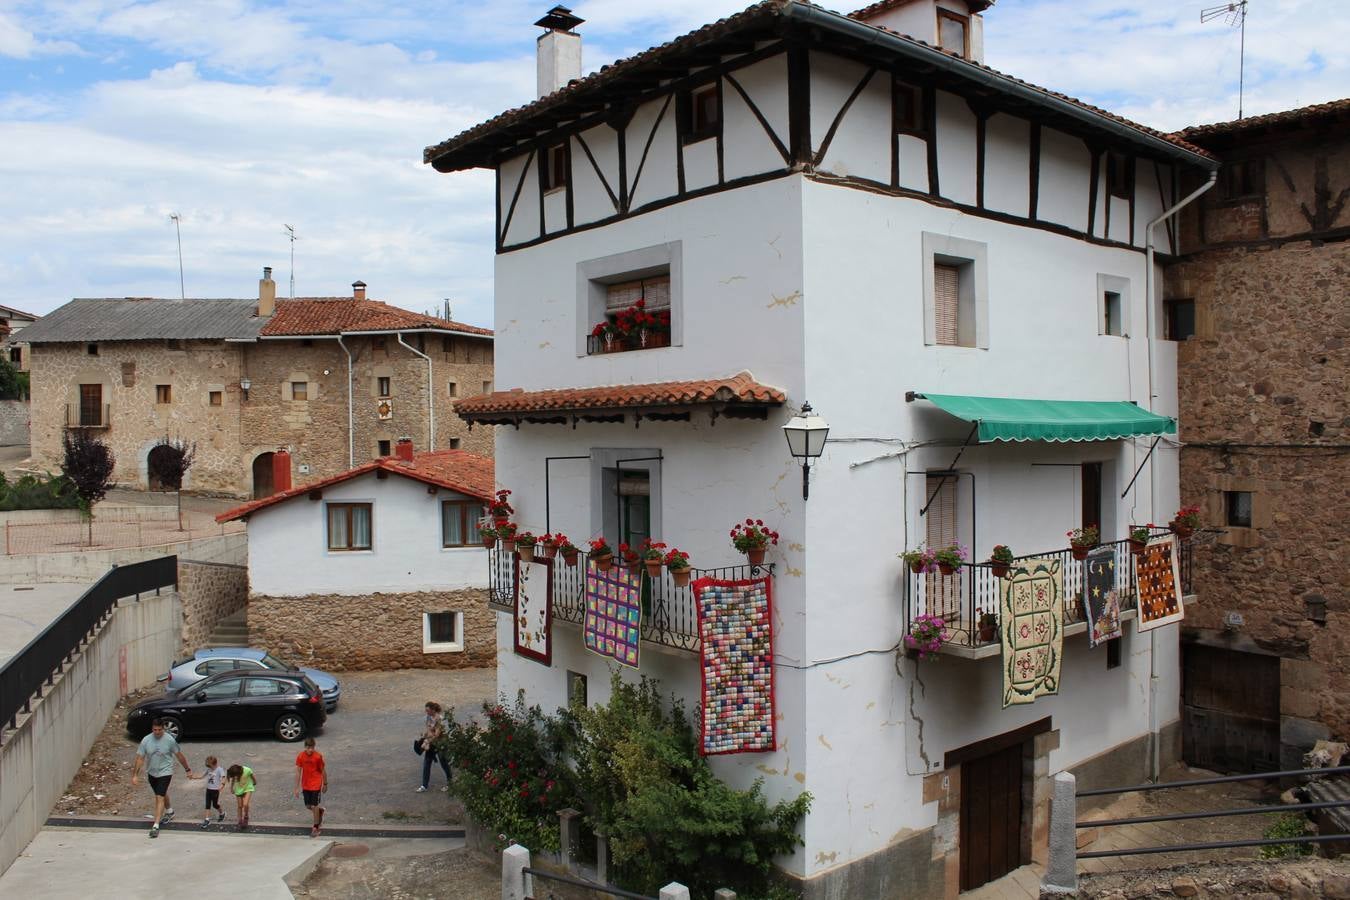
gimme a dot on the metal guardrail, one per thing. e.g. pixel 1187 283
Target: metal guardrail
pixel 22 678
pixel 581 883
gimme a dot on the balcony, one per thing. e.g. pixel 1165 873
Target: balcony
pixel 669 618
pixel 960 598
pixel 597 346
pixel 91 416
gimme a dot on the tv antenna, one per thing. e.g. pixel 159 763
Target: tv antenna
pixel 1232 14
pixel 182 289
pixel 290 235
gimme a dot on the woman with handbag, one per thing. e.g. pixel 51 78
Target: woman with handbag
pixel 426 746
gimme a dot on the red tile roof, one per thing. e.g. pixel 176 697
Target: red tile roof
pixel 455 470
pixel 1290 117
pixel 345 315
pixel 741 388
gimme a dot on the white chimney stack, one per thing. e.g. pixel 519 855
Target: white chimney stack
pixel 559 50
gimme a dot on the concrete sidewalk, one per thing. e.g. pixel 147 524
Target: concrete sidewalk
pixel 28 608
pixel 105 863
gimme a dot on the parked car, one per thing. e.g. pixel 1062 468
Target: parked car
pixel 213 660
pixel 288 704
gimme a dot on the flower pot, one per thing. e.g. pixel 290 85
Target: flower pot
pixel 653 568
pixel 916 567
pixel 756 555
pixel 681 577
pixel 987 633
pixel 526 552
pixel 1180 530
pixel 490 542
pixel 604 562
pixel 499 521
pixel 548 551
pixel 570 559
pixel 946 568
pixel 1137 548
pixel 999 569
pixel 1079 551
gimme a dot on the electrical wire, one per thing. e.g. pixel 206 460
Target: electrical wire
pixel 834 659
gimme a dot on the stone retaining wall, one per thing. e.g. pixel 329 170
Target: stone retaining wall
pixel 210 592
pixel 13 423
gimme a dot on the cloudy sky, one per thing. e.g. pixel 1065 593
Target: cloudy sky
pixel 243 116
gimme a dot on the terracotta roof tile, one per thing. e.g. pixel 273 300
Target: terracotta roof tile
pixel 741 388
pixel 1300 116
pixel 333 315
pixel 455 470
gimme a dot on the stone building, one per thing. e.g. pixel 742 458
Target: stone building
pixel 336 381
pixel 12 323
pixel 1257 302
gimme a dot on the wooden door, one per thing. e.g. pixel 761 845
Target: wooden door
pixel 262 476
pixel 1230 709
pixel 991 815
pixel 1092 494
pixel 91 405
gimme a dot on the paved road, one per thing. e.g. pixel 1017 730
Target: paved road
pixel 26 609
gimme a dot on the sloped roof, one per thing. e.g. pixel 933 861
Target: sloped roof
pixel 344 315
pixel 146 318
pixel 455 470
pixel 1304 115
pixel 876 9
pixel 476 146
pixel 18 312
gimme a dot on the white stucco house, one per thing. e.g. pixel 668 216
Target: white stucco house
pixel 817 206
pixel 377 567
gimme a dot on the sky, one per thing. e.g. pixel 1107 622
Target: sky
pixel 242 117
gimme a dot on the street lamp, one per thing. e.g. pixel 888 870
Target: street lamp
pixel 805 433
pixel 244 385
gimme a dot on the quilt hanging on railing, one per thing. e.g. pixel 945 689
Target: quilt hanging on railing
pixel 534 610
pixel 613 623
pixel 1032 630
pixel 735 626
pixel 1101 600
pixel 1159 584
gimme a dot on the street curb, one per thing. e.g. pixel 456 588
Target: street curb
pixel 191 826
pixel 296 877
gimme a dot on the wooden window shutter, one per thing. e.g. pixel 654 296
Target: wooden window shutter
pixel 946 300
pixel 656 291
pixel 941 525
pixel 621 296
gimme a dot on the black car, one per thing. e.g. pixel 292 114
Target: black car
pixel 288 704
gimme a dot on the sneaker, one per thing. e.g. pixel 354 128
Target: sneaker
pixel 154 830
pixel 206 823
pixel 314 832
pixel 446 789
pixel 221 817
pixel 168 814
pixel 421 789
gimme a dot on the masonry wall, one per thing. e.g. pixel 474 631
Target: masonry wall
pixel 13 423
pixel 210 592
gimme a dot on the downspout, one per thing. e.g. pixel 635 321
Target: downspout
pixel 1155 738
pixel 431 394
pixel 351 433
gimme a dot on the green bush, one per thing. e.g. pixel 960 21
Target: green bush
pixel 13 383
pixel 1288 825
pixel 33 492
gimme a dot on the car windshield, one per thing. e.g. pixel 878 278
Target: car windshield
pixel 272 662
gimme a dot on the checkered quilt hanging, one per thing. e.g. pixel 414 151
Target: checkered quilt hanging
pixel 1159 584
pixel 613 625
pixel 735 625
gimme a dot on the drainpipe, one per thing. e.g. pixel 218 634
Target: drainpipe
pixel 1155 738
pixel 431 394
pixel 351 433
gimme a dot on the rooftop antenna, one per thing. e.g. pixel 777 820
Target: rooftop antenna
pixel 290 235
pixel 1232 14
pixel 182 289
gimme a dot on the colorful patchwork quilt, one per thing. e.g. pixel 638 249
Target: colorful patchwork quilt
pixel 1159 584
pixel 534 610
pixel 735 625
pixel 613 624
pixel 1101 600
pixel 1032 623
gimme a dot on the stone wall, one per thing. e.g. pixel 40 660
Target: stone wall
pixel 210 592
pixel 13 423
pixel 371 631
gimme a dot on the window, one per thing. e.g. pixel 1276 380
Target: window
pixel 576 689
pixel 487 387
pixel 91 405
pixel 442 632
pixel 91 349
pixel 459 522
pixel 946 296
pixel 955 289
pixel 908 109
pixel 953 32
pixel 163 393
pixel 222 690
pixel 215 398
pixel 16 355
pixel 421 343
pixel 638 313
pixel 1113 653
pixel 382 448
pixel 1241 178
pixel 700 114
pixel 1111 314
pixel 942 592
pixel 173 344
pixel 609 285
pixel 384 386
pixel 299 390
pixel 553 171
pixel 1180 319
pixel 349 526
pixel 454 443
pixel 447 344
pixel 452 388
pixel 1237 506
pixel 266 687
pixel 378 343
pixel 307 342
pixel 1119 175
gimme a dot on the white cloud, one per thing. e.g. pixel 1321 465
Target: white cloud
pixel 18 42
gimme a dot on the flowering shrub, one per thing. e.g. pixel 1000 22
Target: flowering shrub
pixel 507 531
pixel 926 635
pixel 652 550
pixel 677 560
pixel 951 555
pixel 1001 554
pixel 501 508
pixel 923 558
pixel 600 547
pixel 565 544
pixel 1087 536
pixel 628 555
pixel 525 538
pixel 630 324
pixel 752 535
pixel 1139 533
pixel 1188 516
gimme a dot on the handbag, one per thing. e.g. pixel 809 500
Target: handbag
pixel 417 746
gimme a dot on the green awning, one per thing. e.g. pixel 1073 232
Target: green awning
pixel 1006 419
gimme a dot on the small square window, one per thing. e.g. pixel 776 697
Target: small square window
pixel 459 522
pixel 16 355
pixel 1180 319
pixel 447 344
pixel 382 448
pixel 349 526
pixel 953 32
pixel 1112 314
pixel 487 387
pixel 307 342
pixel 1119 175
pixel 384 385
pixel 215 398
pixel 299 390
pixel 908 109
pixel 1237 509
pixel 173 344
pixel 378 343
pixel 701 114
pixel 452 389
pixel 454 443
pixel 163 393
pixel 442 632
pixel 553 171
pixel 1242 178
pixel 576 689
pixel 91 349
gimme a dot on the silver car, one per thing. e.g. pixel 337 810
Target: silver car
pixel 213 660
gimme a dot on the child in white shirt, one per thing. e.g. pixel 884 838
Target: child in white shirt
pixel 215 777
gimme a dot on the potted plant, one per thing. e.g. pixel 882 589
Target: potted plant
pixel 653 556
pixel 628 557
pixel 506 533
pixel 1081 540
pixel 601 554
pixel 500 509
pixel 753 539
pixel 920 560
pixel 677 561
pixel 926 635
pixel 988 627
pixel 610 336
pixel 1000 560
pixel 488 535
pixel 525 546
pixel 548 546
pixel 567 550
pixel 949 558
pixel 1185 522
pixel 1139 538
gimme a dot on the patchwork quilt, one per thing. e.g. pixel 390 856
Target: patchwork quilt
pixel 613 623
pixel 1101 599
pixel 533 632
pixel 1032 630
pixel 735 623
pixel 1159 584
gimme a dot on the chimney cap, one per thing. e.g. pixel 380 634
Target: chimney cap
pixel 267 272
pixel 358 284
pixel 559 18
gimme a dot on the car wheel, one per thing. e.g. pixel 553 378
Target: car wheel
pixel 173 727
pixel 290 728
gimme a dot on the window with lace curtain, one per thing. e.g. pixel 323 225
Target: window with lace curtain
pixel 349 526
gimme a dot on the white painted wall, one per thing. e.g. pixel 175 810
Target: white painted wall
pixel 861 144
pixel 289 555
pixel 747 147
pixel 1007 154
pixel 1065 180
pixel 956 149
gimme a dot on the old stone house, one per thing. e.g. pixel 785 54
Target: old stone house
pixel 377 567
pixel 12 323
pixel 1257 302
pixel 336 381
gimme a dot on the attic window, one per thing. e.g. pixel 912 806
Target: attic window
pixel 1119 175
pixel 953 32
pixel 908 109
pixel 553 173
pixel 1242 178
pixel 701 114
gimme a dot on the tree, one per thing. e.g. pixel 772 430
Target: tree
pixel 168 462
pixel 89 464
pixel 13 383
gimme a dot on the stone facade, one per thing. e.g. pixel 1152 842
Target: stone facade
pixel 13 423
pixel 1263 412
pixel 210 592
pixel 232 433
pixel 371 632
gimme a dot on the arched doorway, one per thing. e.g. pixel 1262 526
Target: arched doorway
pixel 262 475
pixel 154 465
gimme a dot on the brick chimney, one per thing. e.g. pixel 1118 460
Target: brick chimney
pixel 559 50
pixel 281 470
pixel 403 450
pixel 267 293
pixel 358 290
